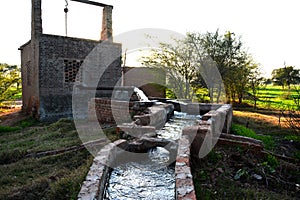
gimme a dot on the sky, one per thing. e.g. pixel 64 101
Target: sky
pixel 269 29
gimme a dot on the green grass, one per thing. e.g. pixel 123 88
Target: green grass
pixel 295 138
pixel 48 177
pixel 4 129
pixel 20 125
pixel 276 97
pixel 241 130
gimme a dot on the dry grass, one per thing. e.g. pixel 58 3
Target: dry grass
pixel 260 121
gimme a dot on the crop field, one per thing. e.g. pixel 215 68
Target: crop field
pixel 278 98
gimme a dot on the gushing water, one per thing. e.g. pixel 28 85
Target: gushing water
pixel 146 179
pixel 173 128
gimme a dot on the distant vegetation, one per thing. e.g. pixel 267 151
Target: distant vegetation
pixel 286 76
pixel 276 97
pixel 10 82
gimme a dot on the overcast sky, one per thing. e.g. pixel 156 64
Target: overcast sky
pixel 270 29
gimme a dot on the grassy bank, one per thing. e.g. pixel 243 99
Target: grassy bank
pixel 58 176
pixel 236 173
pixel 233 173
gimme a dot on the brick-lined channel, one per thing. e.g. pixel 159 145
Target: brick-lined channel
pixel 151 178
pixel 216 119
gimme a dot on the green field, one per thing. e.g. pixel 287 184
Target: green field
pixel 276 97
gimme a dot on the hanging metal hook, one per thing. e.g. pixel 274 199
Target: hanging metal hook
pixel 66 3
pixel 66 10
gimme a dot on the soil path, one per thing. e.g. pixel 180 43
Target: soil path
pixel 12 116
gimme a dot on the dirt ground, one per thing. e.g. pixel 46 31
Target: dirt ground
pixel 9 117
pixel 233 173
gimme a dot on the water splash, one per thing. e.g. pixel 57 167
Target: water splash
pixel 141 95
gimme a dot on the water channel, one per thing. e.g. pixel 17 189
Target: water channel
pixel 151 178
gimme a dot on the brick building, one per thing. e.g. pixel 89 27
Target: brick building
pixel 51 65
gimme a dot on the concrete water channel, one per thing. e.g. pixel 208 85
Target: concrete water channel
pixel 155 162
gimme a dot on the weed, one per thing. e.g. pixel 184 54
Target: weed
pixel 5 129
pixel 240 173
pixel 213 157
pixel 203 176
pixel 23 124
pixel 267 140
pixel 272 161
pixel 295 138
pixel 62 125
pixel 28 122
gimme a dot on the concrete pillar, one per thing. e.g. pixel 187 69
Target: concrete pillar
pixel 36 32
pixel 106 33
pixel 36 19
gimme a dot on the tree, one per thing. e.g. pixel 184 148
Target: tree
pixel 255 81
pixel 177 62
pixel 286 76
pixel 10 81
pixel 206 60
pixel 232 61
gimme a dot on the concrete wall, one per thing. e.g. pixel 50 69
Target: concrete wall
pixel 55 91
pixel 29 75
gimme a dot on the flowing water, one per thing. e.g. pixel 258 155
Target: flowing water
pixel 152 178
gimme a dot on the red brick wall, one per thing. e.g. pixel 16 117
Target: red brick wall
pixel 107 111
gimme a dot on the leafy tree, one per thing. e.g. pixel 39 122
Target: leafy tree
pixel 177 62
pixel 286 76
pixel 232 61
pixel 196 61
pixel 10 81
